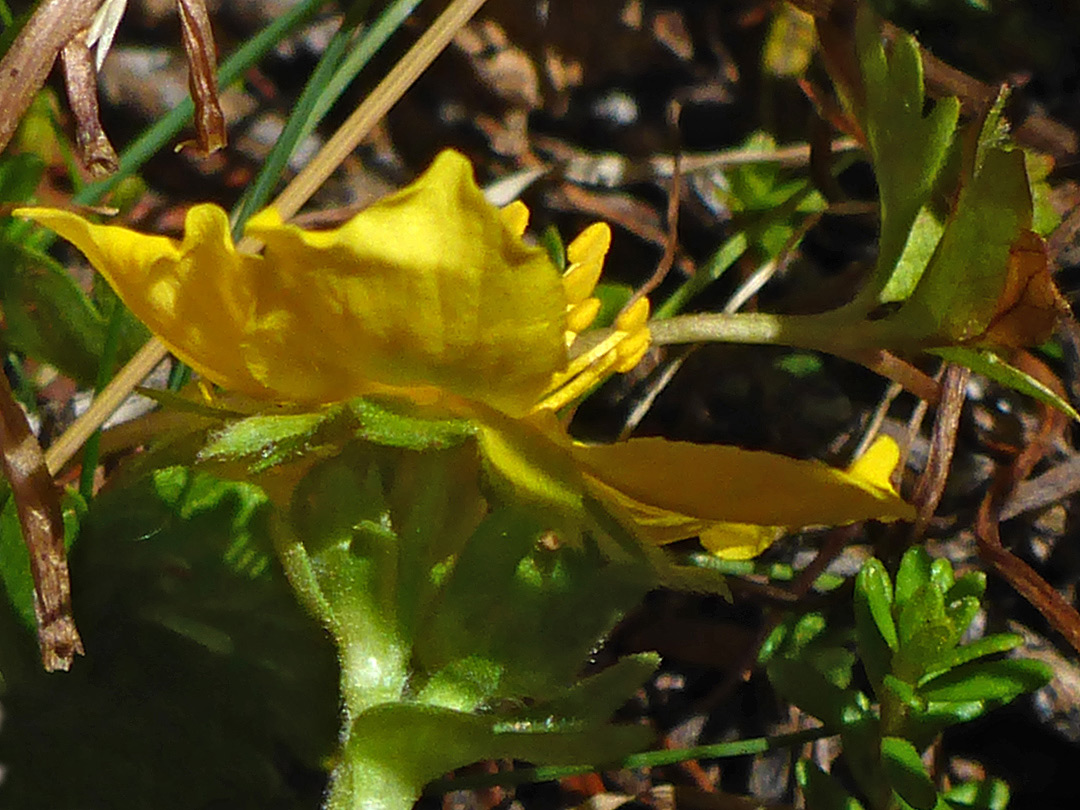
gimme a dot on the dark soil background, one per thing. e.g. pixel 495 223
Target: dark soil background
pixel 557 83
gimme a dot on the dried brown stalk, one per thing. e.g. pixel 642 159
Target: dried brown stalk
pixel 1039 593
pixel 27 63
pixel 80 80
pixel 38 505
pixel 202 75
pixel 931 483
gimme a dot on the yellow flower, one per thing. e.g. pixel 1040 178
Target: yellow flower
pixel 431 295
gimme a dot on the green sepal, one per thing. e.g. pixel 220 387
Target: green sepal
pixel 271 439
pixel 393 428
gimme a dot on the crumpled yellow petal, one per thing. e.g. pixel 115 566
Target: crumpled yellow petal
pixel 429 287
pixel 673 490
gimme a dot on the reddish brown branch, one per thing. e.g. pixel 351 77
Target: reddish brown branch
pixel 1027 582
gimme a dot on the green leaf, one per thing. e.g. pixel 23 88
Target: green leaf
pixel 988 645
pixel 875 630
pixel 926 633
pixel 941 574
pixel 921 726
pixel 913 574
pixel 922 241
pixel 595 699
pixel 962 613
pixel 811 691
pixel 903 693
pixel 998 681
pixel 957 296
pixel 989 794
pixel 908 149
pixel 394 750
pixel 188 625
pixel 821 790
pixel 972 583
pixel 907 774
pixel 46 315
pixel 809 640
pixel 543 606
pixel 985 362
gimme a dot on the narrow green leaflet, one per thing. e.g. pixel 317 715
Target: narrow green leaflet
pixel 985 362
pixel 821 790
pixel 988 645
pixel 875 629
pixel 908 149
pixel 907 774
pixel 997 681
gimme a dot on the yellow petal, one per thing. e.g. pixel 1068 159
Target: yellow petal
pixel 585 256
pixel 427 287
pixel 739 541
pixel 515 216
pixel 198 294
pixel 581 315
pixel 635 317
pixel 716 483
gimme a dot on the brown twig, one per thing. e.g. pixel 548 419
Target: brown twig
pixel 1027 582
pixel 27 63
pixel 38 505
pixel 931 485
pixel 198 41
pixel 80 81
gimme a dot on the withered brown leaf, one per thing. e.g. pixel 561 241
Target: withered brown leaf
pixel 1030 305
